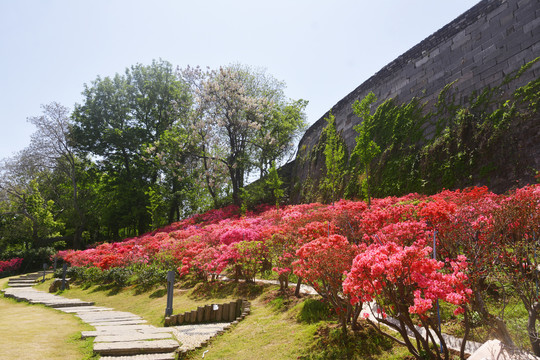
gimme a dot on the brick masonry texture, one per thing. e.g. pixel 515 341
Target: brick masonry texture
pixel 476 50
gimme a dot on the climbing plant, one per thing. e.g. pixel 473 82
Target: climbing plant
pixel 335 160
pixel 408 147
pixel 366 148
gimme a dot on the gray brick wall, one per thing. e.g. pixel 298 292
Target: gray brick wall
pixel 478 49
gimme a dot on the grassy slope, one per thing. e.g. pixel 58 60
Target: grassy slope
pixel 37 332
pixel 266 333
pixel 270 330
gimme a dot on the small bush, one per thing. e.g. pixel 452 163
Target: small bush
pixel 148 276
pixel 331 344
pixel 314 311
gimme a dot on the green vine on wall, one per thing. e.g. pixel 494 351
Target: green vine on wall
pixel 454 145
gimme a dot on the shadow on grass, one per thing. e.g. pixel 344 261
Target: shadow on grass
pixel 224 289
pixel 330 343
pixel 109 289
pixel 158 293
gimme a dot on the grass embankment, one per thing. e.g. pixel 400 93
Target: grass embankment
pixel 37 332
pixel 279 326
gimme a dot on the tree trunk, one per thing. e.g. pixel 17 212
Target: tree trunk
pixel 298 284
pixel 82 220
pixel 531 328
pixel 493 320
pixel 465 336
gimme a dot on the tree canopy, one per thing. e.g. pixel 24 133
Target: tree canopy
pixel 145 148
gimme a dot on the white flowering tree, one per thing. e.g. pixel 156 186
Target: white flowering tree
pixel 240 121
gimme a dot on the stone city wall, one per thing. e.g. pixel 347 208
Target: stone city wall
pixel 477 50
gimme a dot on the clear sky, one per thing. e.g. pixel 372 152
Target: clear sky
pixel 322 49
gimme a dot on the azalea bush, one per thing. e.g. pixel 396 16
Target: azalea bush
pixel 398 273
pixel 404 254
pixel 10 266
pixel 323 263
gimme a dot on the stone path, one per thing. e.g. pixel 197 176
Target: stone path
pixel 122 335
pixel 119 335
pixel 195 336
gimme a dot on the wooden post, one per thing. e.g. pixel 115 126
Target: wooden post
pixel 200 314
pixel 225 315
pixel 213 315
pixel 239 307
pixel 44 269
pixel 180 319
pixel 64 270
pixel 170 288
pixel 207 313
pixel 232 311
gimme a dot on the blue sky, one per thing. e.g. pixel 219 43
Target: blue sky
pixel 322 49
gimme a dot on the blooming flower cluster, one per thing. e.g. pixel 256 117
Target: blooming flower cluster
pixel 406 253
pixel 10 265
pixel 382 252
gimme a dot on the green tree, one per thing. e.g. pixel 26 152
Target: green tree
pixel 335 158
pixel 366 149
pixel 275 183
pixel 179 183
pixel 51 146
pixel 28 218
pixel 117 118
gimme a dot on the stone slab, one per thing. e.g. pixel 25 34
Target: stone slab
pixel 112 314
pixel 494 349
pixel 84 309
pixel 143 328
pixel 136 347
pixel 95 319
pixel 20 285
pixel 133 336
pixel 68 304
pixel 126 331
pixel 116 323
pixel 166 356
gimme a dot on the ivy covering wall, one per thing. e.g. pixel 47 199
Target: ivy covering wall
pixel 482 141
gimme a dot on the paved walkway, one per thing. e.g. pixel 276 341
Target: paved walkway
pixel 122 335
pixel 119 335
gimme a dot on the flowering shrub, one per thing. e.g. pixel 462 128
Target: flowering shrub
pixel 398 272
pixel 385 250
pixel 11 265
pixel 323 263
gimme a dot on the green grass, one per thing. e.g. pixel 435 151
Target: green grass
pixel 515 316
pixel 150 305
pixel 280 326
pixel 38 332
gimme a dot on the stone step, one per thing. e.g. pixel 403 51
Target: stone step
pixel 165 356
pixel 17 285
pixel 61 304
pixel 116 323
pixel 108 316
pixel 135 347
pixel 132 336
pixel 148 330
pixel 89 320
pixel 34 276
pixel 22 281
pixel 84 309
pixel 142 327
